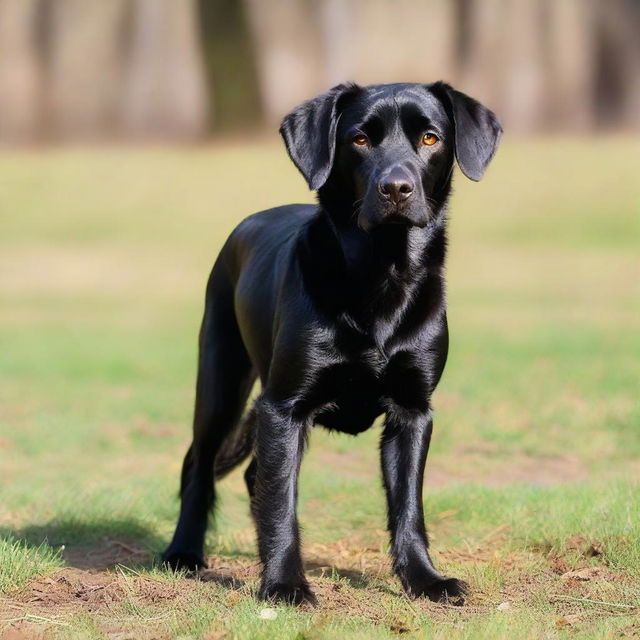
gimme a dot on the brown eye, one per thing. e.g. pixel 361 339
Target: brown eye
pixel 429 139
pixel 360 140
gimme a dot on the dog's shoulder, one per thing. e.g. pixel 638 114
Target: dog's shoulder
pixel 272 223
pixel 261 238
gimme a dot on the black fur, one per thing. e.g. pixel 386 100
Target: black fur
pixel 340 310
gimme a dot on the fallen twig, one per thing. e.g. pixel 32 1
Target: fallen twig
pixel 30 617
pixel 598 602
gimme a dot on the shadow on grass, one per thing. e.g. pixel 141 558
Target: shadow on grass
pixel 99 544
pixel 356 579
pixel 223 579
pixel 229 579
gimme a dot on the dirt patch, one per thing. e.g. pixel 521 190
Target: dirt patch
pixel 107 555
pixel 20 633
pixel 349 578
pixel 92 590
pixel 350 554
pixel 232 573
pixel 46 603
pixel 348 600
pixel 69 587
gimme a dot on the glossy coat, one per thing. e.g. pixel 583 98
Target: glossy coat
pixel 339 308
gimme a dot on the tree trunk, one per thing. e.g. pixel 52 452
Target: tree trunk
pixel 230 61
pixel 401 40
pixel 85 67
pixel 482 64
pixel 619 63
pixel 526 94
pixel 165 93
pixel 572 60
pixel 20 72
pixel 288 51
pixel 338 21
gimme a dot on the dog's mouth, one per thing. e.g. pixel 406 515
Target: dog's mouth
pixel 400 217
pixel 374 211
pixel 397 218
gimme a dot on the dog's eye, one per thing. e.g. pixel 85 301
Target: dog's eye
pixel 429 139
pixel 360 140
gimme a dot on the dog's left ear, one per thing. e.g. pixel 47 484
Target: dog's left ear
pixel 477 132
pixel 309 133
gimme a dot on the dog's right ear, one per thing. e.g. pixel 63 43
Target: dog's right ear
pixel 309 133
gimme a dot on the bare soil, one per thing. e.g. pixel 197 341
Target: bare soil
pixel 349 579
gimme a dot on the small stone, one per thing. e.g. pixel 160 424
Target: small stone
pixel 503 606
pixel 589 573
pixel 568 620
pixel 268 614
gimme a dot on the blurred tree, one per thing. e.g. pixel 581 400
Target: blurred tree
pixel 306 46
pixel 481 50
pixel 20 71
pixel 165 89
pixel 230 61
pixel 337 20
pixel 401 40
pixel 618 70
pixel 177 68
pixel 571 61
pixel 525 93
pixel 85 67
pixel 288 53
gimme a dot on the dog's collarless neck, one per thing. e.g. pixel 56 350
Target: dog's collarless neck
pixel 367 273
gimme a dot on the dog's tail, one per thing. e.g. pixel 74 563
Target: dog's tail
pixel 237 446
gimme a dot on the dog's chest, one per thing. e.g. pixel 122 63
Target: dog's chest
pixel 348 395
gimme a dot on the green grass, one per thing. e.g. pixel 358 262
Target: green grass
pixel 533 472
pixel 22 561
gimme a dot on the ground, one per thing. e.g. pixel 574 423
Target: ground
pixel 532 483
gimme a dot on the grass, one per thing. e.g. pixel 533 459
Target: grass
pixel 532 481
pixel 22 561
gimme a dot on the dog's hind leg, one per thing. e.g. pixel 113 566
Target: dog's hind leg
pixel 225 377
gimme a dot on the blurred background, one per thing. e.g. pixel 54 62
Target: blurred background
pixel 183 69
pixel 135 134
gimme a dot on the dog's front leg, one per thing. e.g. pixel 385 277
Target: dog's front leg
pixel 279 447
pixel 404 447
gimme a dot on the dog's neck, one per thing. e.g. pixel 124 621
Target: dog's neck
pixel 370 273
pixel 388 250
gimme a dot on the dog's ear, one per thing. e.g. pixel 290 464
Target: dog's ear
pixel 477 132
pixel 309 133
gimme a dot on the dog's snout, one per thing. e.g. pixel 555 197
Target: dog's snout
pixel 396 186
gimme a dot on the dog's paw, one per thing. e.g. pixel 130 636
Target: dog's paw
pixel 444 590
pixel 180 561
pixel 299 593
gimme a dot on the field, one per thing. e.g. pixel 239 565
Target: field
pixel 533 476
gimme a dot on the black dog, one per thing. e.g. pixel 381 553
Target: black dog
pixel 340 310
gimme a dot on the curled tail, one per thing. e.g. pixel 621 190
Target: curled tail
pixel 237 446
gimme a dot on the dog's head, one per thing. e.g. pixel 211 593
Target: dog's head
pixel 388 150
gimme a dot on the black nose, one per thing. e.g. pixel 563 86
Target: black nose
pixel 396 186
